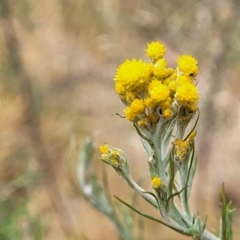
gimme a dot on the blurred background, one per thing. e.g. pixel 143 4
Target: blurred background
pixel 58 59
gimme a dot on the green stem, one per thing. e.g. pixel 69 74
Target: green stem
pixel 141 191
pixel 209 236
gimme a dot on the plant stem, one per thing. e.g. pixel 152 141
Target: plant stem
pixel 209 236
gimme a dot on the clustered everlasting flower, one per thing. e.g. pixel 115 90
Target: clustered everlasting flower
pixel 154 90
pixel 161 101
pixel 158 98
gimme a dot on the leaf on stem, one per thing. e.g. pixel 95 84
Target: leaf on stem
pixel 152 218
pixel 226 217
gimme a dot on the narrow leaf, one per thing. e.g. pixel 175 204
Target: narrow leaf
pixel 152 218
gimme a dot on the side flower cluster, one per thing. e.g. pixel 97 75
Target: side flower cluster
pixel 182 147
pixel 154 90
pixel 115 158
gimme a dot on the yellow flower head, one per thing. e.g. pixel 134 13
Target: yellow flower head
pixel 155 51
pixel 188 65
pixel 129 114
pixel 160 70
pixel 181 148
pixel 137 106
pixel 187 94
pixel 115 162
pixel 133 75
pixel 167 113
pixel 181 144
pixel 114 158
pixel 158 91
pixel 104 148
pixel 156 182
pixel 149 102
pixel 192 135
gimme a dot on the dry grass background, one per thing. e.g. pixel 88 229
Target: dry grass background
pixel 58 59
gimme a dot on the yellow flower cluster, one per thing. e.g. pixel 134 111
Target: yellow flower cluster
pixel 182 147
pixel 110 155
pixel 133 76
pixel 154 90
